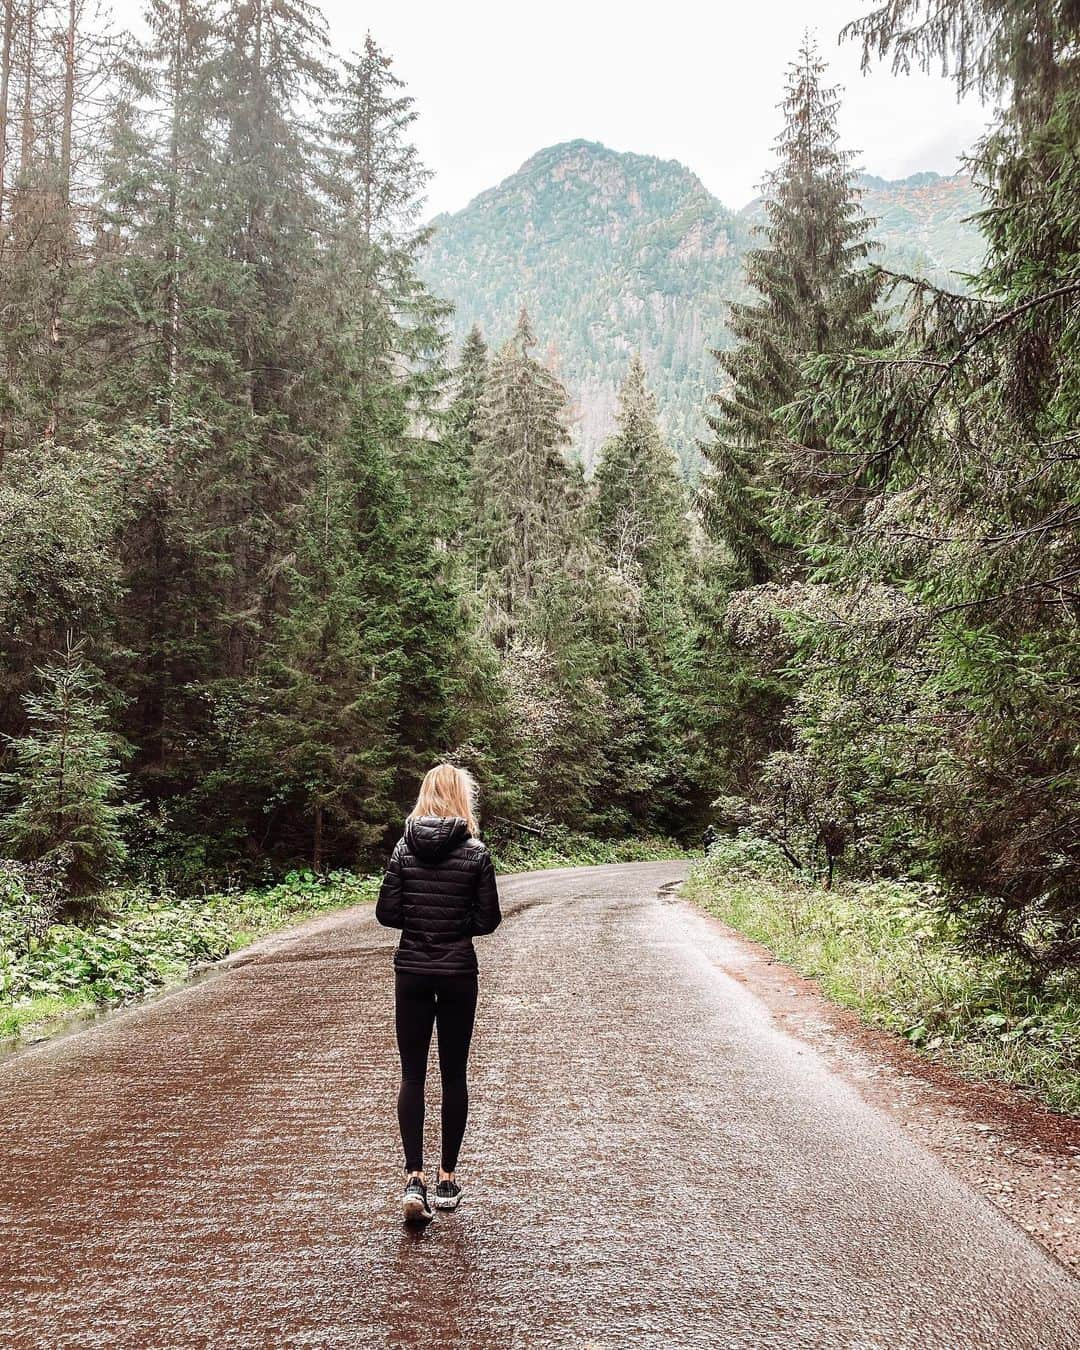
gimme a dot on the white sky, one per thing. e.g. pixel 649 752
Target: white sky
pixel 693 80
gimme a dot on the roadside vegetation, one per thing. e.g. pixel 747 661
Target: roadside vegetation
pixel 566 848
pixel 895 953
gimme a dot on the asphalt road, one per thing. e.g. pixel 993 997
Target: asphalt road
pixel 650 1161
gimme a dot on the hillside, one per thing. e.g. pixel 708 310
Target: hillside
pixel 922 222
pixel 612 252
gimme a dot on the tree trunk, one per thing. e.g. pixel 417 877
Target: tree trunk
pixel 69 107
pixel 61 206
pixel 5 87
pixel 317 841
pixel 173 330
pixel 6 56
pixel 27 146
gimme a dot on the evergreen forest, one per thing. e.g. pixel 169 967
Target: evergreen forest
pixel 271 544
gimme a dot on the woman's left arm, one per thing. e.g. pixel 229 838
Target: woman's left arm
pixel 486 912
pixel 388 907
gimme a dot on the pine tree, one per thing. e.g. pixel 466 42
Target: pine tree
pixel 525 497
pixel 391 326
pixel 356 690
pixel 816 296
pixel 640 500
pixel 65 784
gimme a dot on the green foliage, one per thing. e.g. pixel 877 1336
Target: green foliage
pixel 31 896
pixel 356 685
pixel 61 516
pixel 942 645
pixel 815 295
pixel 579 235
pixel 144 941
pixel 525 496
pixel 640 501
pixel 924 618
pixel 63 792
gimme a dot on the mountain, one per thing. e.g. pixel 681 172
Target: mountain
pixel 922 222
pixel 614 252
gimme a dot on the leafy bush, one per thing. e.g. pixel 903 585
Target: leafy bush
pixel 747 854
pixel 31 895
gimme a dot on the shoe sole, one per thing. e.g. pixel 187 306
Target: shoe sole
pixel 415 1212
pixel 444 1203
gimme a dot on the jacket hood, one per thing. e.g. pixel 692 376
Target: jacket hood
pixel 432 837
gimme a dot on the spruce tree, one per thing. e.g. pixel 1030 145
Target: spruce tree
pixel 525 497
pixel 63 792
pixel 391 326
pixel 640 501
pixel 468 381
pixel 278 389
pixel 364 651
pixel 205 332
pixel 470 378
pixel 153 340
pixel 356 692
pixel 816 296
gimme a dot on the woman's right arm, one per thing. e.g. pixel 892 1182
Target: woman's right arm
pixel 388 908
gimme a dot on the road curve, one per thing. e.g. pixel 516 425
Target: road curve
pixel 650 1162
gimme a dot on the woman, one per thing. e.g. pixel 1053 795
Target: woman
pixel 440 890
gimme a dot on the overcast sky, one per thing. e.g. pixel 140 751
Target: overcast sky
pixel 693 80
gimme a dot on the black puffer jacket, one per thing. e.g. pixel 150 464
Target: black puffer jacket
pixel 440 890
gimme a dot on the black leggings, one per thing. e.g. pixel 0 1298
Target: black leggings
pixel 449 1002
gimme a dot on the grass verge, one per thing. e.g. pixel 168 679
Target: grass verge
pixel 891 952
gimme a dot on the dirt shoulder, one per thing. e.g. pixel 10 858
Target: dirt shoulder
pixel 1022 1157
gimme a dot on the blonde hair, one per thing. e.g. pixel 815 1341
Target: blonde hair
pixel 448 791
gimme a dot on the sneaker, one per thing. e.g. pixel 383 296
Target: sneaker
pixel 447 1195
pixel 415 1202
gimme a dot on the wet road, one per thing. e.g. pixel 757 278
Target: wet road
pixel 650 1162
